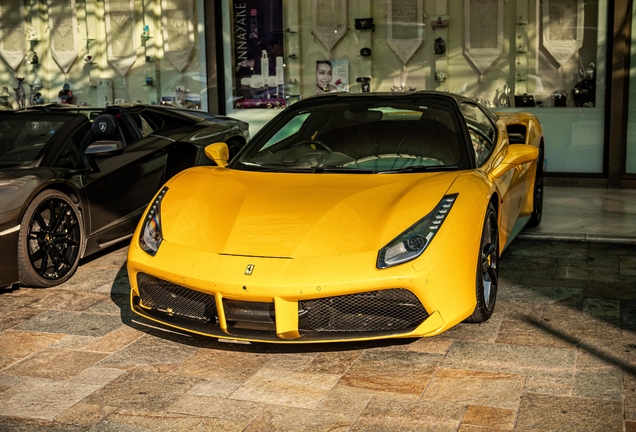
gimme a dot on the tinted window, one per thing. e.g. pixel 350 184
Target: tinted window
pixel 360 134
pixel 23 140
pixel 482 131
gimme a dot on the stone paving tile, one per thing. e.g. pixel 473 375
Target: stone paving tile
pixel 605 250
pixel 469 387
pixel 145 421
pixel 432 345
pixel 17 345
pixel 285 387
pixel 517 292
pixel 392 371
pixel 15 318
pixel 547 370
pixel 297 362
pixel 489 417
pixel 583 270
pixel 8 381
pixel 85 414
pixel 63 299
pixel 547 249
pixel 150 350
pixel 533 339
pixel 43 398
pixel 19 298
pixel 56 364
pixel 30 425
pixel 217 364
pixel 215 387
pixel 113 304
pixel 537 265
pixel 278 418
pixel 70 322
pixel 115 340
pixel 119 286
pixel 554 413
pixel 86 279
pixel 531 280
pixel 351 400
pixel 629 396
pixel 627 265
pixel 397 412
pixel 604 383
pixel 237 411
pixel 577 324
pixel 483 332
pixel 332 362
pixel 142 391
pixel 628 314
pixel 74 342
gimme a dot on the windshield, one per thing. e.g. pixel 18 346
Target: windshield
pixel 22 140
pixel 363 135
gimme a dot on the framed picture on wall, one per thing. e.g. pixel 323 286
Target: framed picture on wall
pixel 332 76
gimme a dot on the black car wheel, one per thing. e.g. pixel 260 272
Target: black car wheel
pixel 50 241
pixel 537 203
pixel 487 269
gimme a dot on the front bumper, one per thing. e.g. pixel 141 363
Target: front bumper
pixel 212 295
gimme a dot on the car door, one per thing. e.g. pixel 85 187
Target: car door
pixel 121 185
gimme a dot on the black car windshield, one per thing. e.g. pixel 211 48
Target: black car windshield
pixel 23 140
pixel 360 135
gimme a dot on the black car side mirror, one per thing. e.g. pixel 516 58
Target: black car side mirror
pixel 104 148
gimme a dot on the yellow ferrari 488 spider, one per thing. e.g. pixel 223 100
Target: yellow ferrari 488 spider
pixel 347 217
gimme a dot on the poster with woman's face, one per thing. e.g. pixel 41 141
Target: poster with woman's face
pixel 332 76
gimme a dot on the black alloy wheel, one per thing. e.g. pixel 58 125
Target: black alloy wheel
pixel 487 269
pixel 50 241
pixel 537 200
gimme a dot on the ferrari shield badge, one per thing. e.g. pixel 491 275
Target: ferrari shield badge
pixel 249 269
pixel 102 126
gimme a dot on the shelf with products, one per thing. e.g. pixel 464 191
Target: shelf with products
pixel 521 56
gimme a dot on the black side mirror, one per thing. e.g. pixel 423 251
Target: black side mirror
pixel 105 148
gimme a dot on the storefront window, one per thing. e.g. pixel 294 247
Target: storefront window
pixel 103 53
pixel 630 164
pixel 544 56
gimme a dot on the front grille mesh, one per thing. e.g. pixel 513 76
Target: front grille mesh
pixel 381 312
pixel 375 311
pixel 174 300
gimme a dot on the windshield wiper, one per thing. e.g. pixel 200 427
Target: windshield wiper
pixel 324 169
pixel 421 168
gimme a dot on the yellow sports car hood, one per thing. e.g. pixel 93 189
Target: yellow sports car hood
pixel 295 215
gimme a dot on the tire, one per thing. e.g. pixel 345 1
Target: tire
pixel 51 240
pixel 487 276
pixel 537 196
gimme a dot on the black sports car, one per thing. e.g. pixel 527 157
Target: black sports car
pixel 76 180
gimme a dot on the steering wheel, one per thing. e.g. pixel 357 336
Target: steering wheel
pixel 315 143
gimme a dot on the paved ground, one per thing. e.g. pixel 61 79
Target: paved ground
pixel 558 354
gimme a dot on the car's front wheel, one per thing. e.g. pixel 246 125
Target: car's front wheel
pixel 50 240
pixel 487 269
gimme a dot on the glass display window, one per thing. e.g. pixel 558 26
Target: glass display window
pixel 544 56
pixel 630 154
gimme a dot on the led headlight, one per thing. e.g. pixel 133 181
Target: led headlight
pixel 150 237
pixel 412 242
